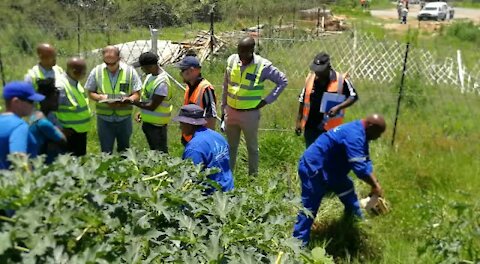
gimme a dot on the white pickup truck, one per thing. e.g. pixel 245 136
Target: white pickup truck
pixel 436 11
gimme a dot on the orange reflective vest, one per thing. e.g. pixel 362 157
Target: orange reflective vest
pixel 197 96
pixel 335 86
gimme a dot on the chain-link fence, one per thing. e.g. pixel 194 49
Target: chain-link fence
pixel 374 66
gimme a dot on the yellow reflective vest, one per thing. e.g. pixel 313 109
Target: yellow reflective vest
pixel 245 90
pixel 36 74
pixel 122 88
pixel 75 112
pixel 163 113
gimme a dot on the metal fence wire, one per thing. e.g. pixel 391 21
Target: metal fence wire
pixel 372 64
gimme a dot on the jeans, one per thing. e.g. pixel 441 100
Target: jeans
pixel 156 136
pixel 108 132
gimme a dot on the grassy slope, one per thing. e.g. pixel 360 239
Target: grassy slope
pixel 432 164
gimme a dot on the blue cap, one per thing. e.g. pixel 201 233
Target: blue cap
pixel 22 90
pixel 188 62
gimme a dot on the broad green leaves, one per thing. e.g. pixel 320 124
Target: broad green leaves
pixel 143 208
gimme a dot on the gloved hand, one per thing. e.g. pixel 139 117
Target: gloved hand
pixel 375 205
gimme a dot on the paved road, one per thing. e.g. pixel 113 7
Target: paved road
pixel 460 13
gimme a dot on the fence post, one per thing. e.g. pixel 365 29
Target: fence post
pixel 323 18
pixel 460 71
pixel 400 93
pixel 154 39
pixel 258 34
pixel 318 22
pixel 2 73
pixel 78 33
pixel 293 27
pixel 271 26
pixel 212 32
pixel 355 55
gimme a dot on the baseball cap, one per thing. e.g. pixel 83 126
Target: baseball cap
pixel 191 114
pixel 148 58
pixel 320 63
pixel 188 62
pixel 22 90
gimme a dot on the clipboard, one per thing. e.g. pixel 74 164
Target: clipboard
pixel 330 100
pixel 111 100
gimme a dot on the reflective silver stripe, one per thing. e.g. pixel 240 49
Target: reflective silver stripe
pixel 105 107
pixel 234 84
pixel 357 159
pixel 123 108
pixel 75 122
pixel 99 78
pixel 233 60
pixel 76 110
pixel 258 66
pixel 128 75
pixel 148 112
pixel 345 193
pixel 165 104
pixel 306 104
pixel 250 87
pixel 244 98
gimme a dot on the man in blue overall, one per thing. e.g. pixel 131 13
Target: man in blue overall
pixel 205 146
pixel 325 166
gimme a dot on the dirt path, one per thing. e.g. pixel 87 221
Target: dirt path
pixel 460 13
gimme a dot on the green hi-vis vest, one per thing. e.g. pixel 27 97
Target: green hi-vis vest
pixel 245 90
pixel 163 113
pixel 75 114
pixel 36 74
pixel 123 87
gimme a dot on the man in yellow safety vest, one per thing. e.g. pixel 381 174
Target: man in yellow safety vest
pixel 74 114
pixel 46 68
pixel 243 91
pixel 156 107
pixel 113 85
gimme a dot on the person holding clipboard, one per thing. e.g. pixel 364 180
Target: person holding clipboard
pixel 326 95
pixel 114 85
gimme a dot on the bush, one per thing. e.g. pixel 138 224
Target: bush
pixel 454 234
pixel 464 31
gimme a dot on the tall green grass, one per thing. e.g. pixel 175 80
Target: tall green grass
pixel 433 163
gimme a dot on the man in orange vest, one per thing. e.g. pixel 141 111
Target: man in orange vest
pixel 199 91
pixel 312 118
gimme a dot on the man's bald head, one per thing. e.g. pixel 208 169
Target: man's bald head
pixel 47 55
pixel 76 68
pixel 245 49
pixel 374 126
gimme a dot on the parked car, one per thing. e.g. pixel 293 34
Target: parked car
pixel 436 11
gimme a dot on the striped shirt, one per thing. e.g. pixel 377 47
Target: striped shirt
pixel 209 99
